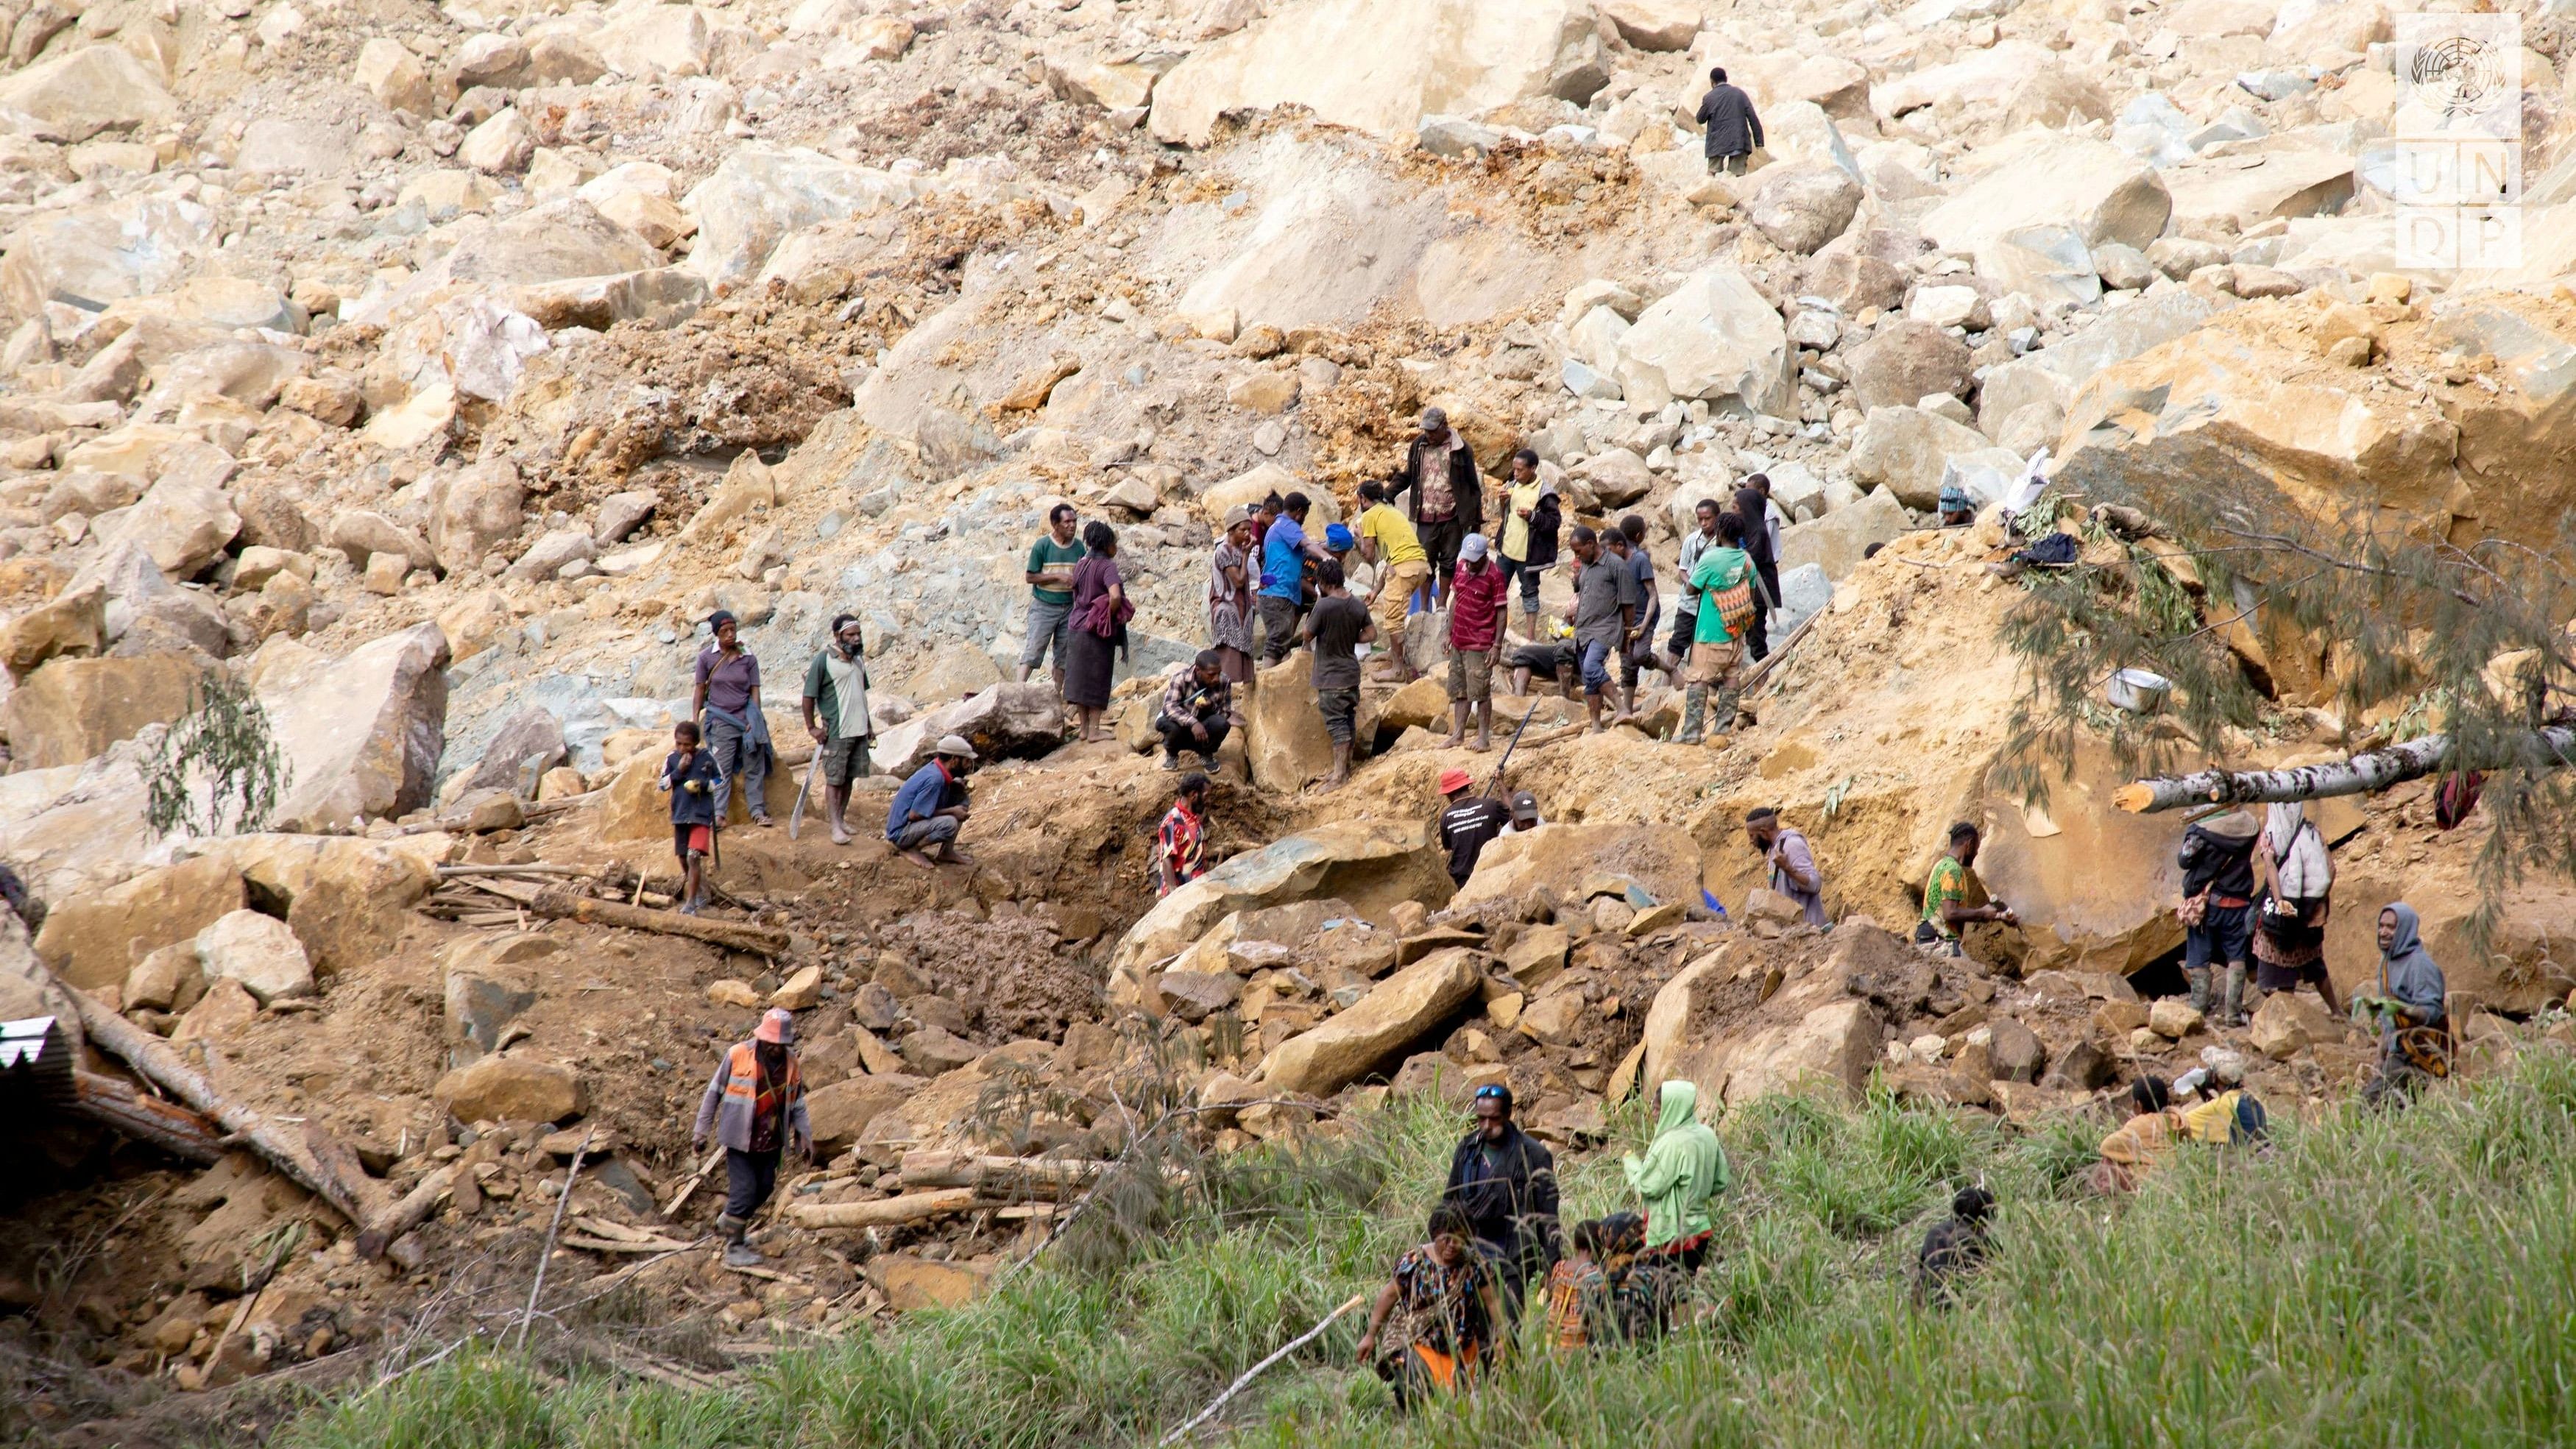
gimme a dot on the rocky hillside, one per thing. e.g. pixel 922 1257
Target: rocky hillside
pixel 432 372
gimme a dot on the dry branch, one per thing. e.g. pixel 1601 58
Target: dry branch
pixel 733 935
pixel 1012 1176
pixel 411 1212
pixel 166 1125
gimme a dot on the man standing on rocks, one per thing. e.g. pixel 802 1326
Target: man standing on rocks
pixel 1478 595
pixel 1197 710
pixel 1761 544
pixel 931 807
pixel 755 1106
pixel 1721 581
pixel 1531 516
pixel 1285 552
pixel 1637 652
pixel 1467 824
pixel 1731 128
pixel 2217 859
pixel 1448 495
pixel 1180 842
pixel 1605 614
pixel 1506 1183
pixel 1793 863
pixel 1050 576
pixel 1945 896
pixel 1389 542
pixel 1695 543
pixel 726 702
pixel 1232 571
pixel 836 715
pixel 1337 627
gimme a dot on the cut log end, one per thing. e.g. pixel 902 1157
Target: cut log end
pixel 2137 797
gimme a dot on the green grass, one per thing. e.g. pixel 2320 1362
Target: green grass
pixel 2373 1280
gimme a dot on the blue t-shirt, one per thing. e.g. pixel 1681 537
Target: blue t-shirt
pixel 1283 559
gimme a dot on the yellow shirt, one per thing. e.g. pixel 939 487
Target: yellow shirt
pixel 1396 541
pixel 1515 527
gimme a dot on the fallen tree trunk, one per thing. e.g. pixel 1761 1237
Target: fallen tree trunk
pixel 2541 749
pixel 411 1212
pixel 733 935
pixel 892 1212
pixel 166 1125
pixel 999 1176
pixel 355 1195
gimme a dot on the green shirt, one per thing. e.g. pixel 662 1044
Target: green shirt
pixel 1045 554
pixel 1949 883
pixel 1718 570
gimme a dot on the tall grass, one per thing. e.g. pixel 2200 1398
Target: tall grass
pixel 2379 1280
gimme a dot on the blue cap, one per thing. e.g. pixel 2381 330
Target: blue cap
pixel 1337 537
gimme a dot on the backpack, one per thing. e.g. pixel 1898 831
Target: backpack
pixel 1734 604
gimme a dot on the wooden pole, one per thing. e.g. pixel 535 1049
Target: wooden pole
pixel 891 1212
pixel 2540 749
pixel 166 1125
pixel 734 935
pixel 354 1194
pixel 411 1212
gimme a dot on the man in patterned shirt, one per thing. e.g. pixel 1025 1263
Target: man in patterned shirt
pixel 1197 710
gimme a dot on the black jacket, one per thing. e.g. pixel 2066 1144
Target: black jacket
pixel 1544 521
pixel 1733 129
pixel 1464 481
pixel 1514 1206
pixel 2221 864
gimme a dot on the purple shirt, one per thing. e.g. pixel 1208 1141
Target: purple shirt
pixel 728 682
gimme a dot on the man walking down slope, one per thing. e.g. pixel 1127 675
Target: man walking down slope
pixel 1732 129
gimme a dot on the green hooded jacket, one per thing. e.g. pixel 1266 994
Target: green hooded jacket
pixel 1683 1170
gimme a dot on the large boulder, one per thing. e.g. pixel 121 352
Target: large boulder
pixel 1837 541
pixel 1284 741
pixel 2042 178
pixel 2242 190
pixel 362 732
pixel 511 1089
pixel 347 898
pixel 1809 1032
pixel 76 95
pixel 1378 1030
pixel 1382 65
pixel 1370 863
pixel 258 951
pixel 183 522
pixel 92 940
pixel 1907 448
pixel 760 193
pixel 1005 721
pixel 844 1110
pixel 473 512
pixel 75 708
pixel 1905 361
pixel 1987 76
pixel 531 735
pixel 1802 205
pixel 1713 337
pixel 556 239
pixel 73 622
pixel 89 256
pixel 1573 860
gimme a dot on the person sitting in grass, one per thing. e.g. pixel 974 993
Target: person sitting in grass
pixel 1579 1307
pixel 1434 1324
pixel 1683 1171
pixel 2130 1154
pixel 1954 1248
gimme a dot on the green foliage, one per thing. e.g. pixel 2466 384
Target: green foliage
pixel 2371 1280
pixel 218 769
pixel 2420 632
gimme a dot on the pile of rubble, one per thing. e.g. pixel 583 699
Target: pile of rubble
pixel 433 372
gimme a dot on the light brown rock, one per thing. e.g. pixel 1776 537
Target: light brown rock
pixel 511 1089
pixel 72 709
pixel 1378 1030
pixel 92 940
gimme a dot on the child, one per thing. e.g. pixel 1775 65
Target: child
pixel 1578 1291
pixel 690 776
pixel 1446 1304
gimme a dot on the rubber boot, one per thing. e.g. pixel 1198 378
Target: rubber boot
pixel 1694 711
pixel 2231 1011
pixel 738 1251
pixel 2199 988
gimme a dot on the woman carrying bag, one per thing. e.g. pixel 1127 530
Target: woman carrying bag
pixel 2295 875
pixel 1100 615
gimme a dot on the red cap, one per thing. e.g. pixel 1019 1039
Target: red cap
pixel 1453 781
pixel 778 1026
